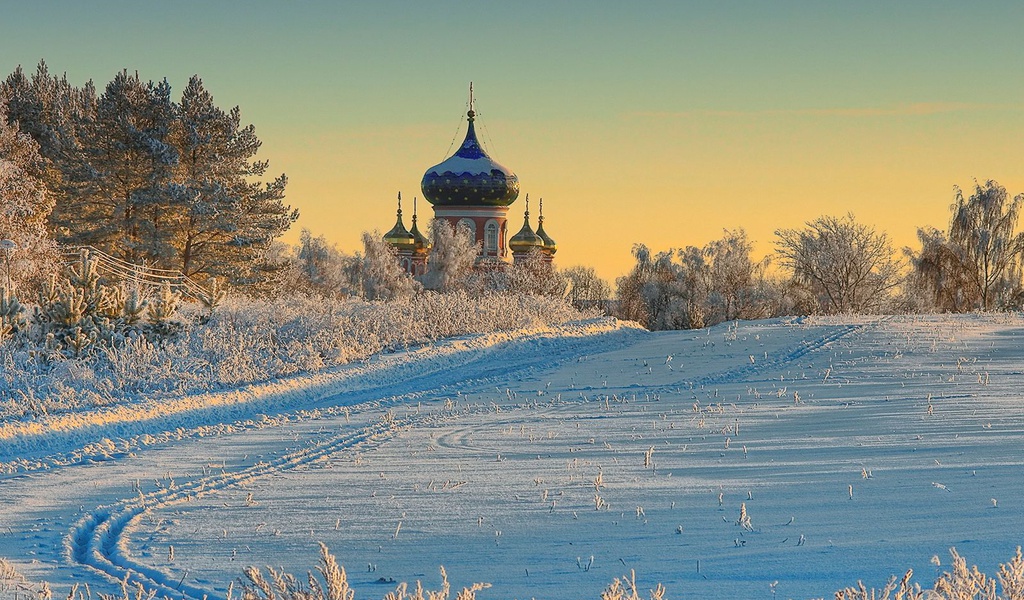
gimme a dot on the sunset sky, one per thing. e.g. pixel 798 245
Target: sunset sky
pixel 656 122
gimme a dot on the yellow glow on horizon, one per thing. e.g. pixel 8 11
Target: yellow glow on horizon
pixel 674 180
pixel 662 126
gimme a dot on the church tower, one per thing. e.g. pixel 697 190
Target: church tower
pixel 472 189
pixel 413 247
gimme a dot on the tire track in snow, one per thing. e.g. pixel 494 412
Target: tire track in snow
pixel 112 432
pixel 99 540
pixel 778 361
pixel 760 366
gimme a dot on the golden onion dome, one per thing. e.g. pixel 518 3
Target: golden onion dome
pixel 419 240
pixel 526 239
pixel 549 244
pixel 399 235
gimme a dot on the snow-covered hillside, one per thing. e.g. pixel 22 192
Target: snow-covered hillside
pixel 551 461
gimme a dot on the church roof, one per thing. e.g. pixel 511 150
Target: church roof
pixel 470 177
pixel 526 239
pixel 399 235
pixel 549 244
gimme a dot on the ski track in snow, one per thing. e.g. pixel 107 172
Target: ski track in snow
pixel 98 540
pixel 110 433
pixel 872 433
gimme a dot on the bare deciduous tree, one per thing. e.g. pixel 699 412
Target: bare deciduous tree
pixel 848 265
pixel 587 289
pixel 736 280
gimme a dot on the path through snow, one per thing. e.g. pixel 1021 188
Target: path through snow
pixel 549 463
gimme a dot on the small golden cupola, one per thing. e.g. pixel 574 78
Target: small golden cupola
pixel 526 240
pixel 420 241
pixel 399 236
pixel 550 247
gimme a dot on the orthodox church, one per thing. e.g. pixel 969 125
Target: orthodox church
pixel 472 190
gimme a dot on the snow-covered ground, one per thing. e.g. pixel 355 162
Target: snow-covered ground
pixel 549 462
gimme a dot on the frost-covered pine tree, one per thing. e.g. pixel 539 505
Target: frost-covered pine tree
pixel 28 253
pixel 12 313
pixel 223 217
pixel 123 205
pixel 162 309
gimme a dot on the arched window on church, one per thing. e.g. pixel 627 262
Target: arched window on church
pixel 491 238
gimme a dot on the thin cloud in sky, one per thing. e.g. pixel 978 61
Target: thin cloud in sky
pixel 898 110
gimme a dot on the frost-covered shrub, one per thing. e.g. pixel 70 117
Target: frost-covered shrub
pixel 532 275
pixel 377 274
pixel 248 340
pixel 698 287
pixel 331 583
pixel 624 588
pixel 959 583
pixel 452 256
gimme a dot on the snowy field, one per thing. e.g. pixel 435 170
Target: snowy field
pixel 552 461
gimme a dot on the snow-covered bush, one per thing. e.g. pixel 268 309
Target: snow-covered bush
pixel 377 274
pixel 698 287
pixel 452 256
pixel 247 340
pixel 960 583
pixel 530 275
pixel 332 584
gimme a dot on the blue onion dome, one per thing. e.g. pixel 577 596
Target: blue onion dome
pixel 549 244
pixel 526 239
pixel 470 177
pixel 399 235
pixel 419 240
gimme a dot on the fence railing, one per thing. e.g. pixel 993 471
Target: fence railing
pixel 141 275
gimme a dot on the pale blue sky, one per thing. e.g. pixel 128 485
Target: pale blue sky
pixel 590 101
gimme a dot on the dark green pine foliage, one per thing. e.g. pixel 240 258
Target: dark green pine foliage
pixel 125 208
pixel 225 219
pixel 151 181
pixel 54 113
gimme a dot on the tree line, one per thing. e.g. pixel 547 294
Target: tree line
pixel 836 265
pixel 175 183
pixel 150 179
